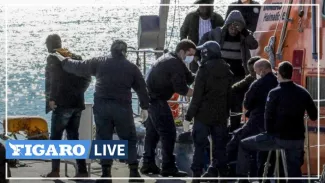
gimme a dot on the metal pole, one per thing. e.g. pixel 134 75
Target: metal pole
pixel 314 32
pixel 144 63
pixel 307 144
pixel 163 17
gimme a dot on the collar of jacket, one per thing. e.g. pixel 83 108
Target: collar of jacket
pixel 177 57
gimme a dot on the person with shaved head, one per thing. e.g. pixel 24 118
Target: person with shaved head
pixel 285 108
pixel 254 102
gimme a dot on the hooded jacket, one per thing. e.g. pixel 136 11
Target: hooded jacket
pixel 247 40
pixel 250 13
pixel 65 89
pixel 212 92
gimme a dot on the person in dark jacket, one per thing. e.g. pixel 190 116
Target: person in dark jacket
pixel 235 42
pixel 210 108
pixel 250 12
pixel 254 102
pixel 65 98
pixel 3 162
pixel 168 75
pixel 283 113
pixel 197 23
pixel 243 85
pixel 115 77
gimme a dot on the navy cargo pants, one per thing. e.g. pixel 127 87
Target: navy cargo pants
pixel 66 119
pixel 110 114
pixel 294 150
pixel 219 135
pixel 160 126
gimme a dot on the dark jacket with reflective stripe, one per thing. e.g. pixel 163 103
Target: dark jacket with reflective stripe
pixel 115 77
pixel 212 93
pixel 168 75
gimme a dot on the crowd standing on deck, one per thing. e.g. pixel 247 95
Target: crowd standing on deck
pixel 225 77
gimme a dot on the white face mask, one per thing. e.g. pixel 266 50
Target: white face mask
pixel 188 59
pixel 258 76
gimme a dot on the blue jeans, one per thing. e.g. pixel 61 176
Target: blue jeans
pixel 160 126
pixel 66 119
pixel 219 140
pixel 110 114
pixel 294 150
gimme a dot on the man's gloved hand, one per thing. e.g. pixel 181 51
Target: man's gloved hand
pixel 186 126
pixel 244 32
pixel 144 115
pixel 59 56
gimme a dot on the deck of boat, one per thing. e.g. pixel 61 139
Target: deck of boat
pixel 35 169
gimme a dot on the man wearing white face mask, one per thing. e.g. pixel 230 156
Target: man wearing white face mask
pixel 168 75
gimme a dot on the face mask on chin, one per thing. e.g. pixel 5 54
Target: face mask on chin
pixel 188 59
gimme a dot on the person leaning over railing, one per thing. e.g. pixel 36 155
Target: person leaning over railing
pixel 284 125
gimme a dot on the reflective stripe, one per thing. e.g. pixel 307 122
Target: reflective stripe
pixel 231 45
pixel 231 50
pixel 231 55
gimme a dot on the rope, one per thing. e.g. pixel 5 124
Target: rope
pixel 269 49
pixel 170 36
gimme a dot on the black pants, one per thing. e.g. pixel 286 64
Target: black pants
pixel 109 115
pixel 160 126
pixel 219 140
pixel 236 105
pixel 3 165
pixel 258 158
pixel 66 119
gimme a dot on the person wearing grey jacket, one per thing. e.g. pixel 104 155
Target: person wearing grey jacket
pixel 235 41
pixel 115 77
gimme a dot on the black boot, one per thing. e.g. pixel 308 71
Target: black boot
pixel 134 173
pixel 149 168
pixel 106 173
pixel 172 172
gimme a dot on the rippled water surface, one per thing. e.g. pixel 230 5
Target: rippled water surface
pixel 88 31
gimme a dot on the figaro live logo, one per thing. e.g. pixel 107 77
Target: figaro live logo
pixel 66 149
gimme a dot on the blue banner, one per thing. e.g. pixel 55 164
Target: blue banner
pixel 66 149
pixel 109 149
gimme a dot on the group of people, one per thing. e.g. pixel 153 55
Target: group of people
pixel 225 78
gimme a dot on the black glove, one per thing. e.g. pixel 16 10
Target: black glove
pixel 245 32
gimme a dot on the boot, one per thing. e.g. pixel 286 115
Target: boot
pixel 134 173
pixel 106 173
pixel 172 172
pixel 148 168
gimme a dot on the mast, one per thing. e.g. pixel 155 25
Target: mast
pixel 163 17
